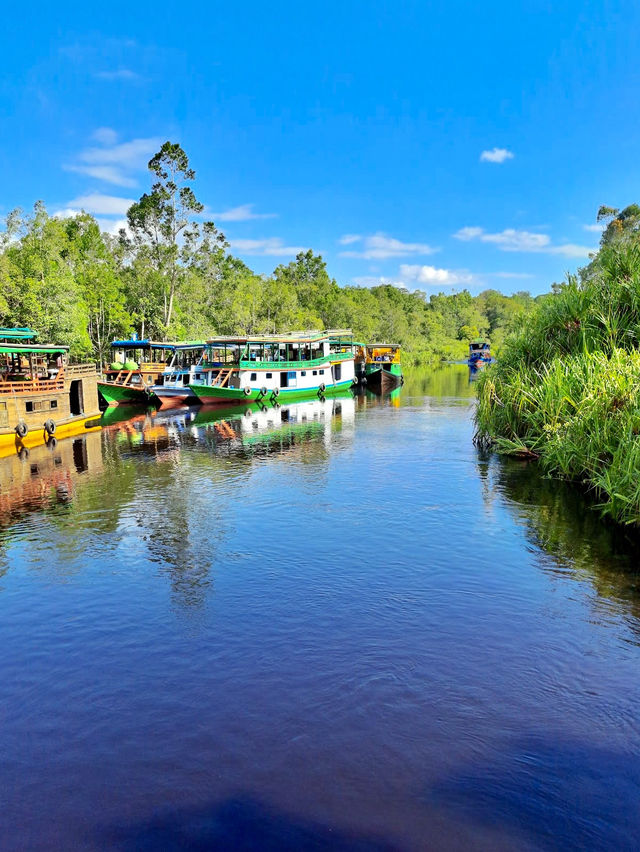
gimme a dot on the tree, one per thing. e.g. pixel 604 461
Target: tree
pixel 164 233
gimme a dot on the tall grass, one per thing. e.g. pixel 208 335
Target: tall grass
pixel 567 387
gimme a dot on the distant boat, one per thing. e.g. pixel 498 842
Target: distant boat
pixel 42 396
pixel 379 365
pixel 479 352
pixel 291 366
pixel 137 365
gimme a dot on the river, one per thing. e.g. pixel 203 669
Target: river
pixel 324 626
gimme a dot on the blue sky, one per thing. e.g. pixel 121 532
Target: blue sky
pixel 437 145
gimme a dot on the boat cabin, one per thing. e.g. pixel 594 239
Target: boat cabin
pixel 40 391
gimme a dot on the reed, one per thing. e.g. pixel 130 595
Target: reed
pixel 566 390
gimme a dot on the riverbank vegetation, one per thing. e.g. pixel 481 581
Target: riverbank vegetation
pixel 170 275
pixel 566 389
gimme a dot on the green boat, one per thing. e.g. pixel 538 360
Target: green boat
pixel 287 367
pixel 136 366
pixel 379 366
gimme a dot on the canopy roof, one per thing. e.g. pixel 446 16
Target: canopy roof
pixel 153 344
pixel 31 349
pixel 22 333
pixel 383 346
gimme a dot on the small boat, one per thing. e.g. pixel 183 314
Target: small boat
pixel 379 365
pixel 42 395
pixel 186 368
pixel 270 367
pixel 136 366
pixel 479 352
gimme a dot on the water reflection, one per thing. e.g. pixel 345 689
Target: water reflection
pixel 562 521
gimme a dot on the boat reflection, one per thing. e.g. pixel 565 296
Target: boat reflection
pixel 248 430
pixel 46 476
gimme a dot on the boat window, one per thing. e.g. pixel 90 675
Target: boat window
pixel 315 372
pixel 198 375
pixel 28 406
pixel 4 414
pixel 303 372
pixel 321 372
pixel 269 376
pixel 53 403
pixel 253 377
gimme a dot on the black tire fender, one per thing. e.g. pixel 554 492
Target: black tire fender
pixel 247 391
pixel 322 388
pixel 49 427
pixel 275 392
pixel 22 429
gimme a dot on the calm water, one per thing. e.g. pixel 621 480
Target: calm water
pixel 325 626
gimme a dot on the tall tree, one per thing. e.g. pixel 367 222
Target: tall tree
pixel 164 231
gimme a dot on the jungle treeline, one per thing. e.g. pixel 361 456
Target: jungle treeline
pixel 169 275
pixel 566 389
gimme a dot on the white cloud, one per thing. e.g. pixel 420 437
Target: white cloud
pixel 115 163
pixel 105 136
pixel 571 250
pixel 377 281
pixel 66 213
pixel 107 205
pixel 113 226
pixel 432 275
pixel 496 155
pixel 109 174
pixel 272 246
pixel 522 275
pixel 379 247
pixel 513 240
pixel 119 74
pixel 243 213
pixel 594 229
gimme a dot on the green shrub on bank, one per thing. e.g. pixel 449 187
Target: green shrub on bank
pixel 567 387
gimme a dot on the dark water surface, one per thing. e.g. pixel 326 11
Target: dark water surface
pixel 326 626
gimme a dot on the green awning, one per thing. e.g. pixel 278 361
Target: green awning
pixel 32 350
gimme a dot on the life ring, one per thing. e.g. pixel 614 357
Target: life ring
pixel 49 427
pixel 22 429
pixel 322 387
pixel 247 391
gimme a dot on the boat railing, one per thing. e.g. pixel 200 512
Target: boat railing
pixel 32 384
pixel 78 370
pixel 246 364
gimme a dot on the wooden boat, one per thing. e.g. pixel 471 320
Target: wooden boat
pixel 290 366
pixel 379 365
pixel 41 394
pixel 137 366
pixel 479 352
pixel 186 368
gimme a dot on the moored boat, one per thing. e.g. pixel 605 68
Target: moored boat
pixel 42 395
pixel 379 365
pixel 136 366
pixel 187 367
pixel 291 366
pixel 479 352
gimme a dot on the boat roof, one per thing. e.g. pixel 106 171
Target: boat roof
pixel 383 346
pixel 20 333
pixel 31 349
pixel 156 344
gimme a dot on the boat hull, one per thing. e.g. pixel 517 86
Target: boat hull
pixel 114 394
pixel 212 395
pixel 11 443
pixel 383 376
pixel 173 397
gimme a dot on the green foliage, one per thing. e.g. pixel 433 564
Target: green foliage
pixel 169 275
pixel 567 387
